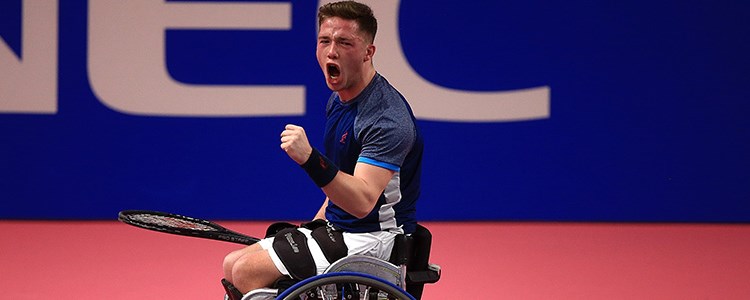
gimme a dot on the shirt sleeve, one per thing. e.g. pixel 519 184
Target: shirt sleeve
pixel 387 141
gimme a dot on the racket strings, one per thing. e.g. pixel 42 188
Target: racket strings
pixel 166 221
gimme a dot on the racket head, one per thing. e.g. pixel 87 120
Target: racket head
pixel 182 225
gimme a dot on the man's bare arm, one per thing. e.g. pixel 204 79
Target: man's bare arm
pixel 356 194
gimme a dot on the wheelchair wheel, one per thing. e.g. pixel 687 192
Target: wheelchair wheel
pixel 344 286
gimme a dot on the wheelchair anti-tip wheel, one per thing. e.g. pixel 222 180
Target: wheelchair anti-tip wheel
pixel 344 286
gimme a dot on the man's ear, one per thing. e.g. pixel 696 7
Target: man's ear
pixel 370 52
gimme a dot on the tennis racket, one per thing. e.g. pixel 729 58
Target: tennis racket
pixel 182 225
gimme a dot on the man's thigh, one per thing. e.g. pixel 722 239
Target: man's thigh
pixel 374 244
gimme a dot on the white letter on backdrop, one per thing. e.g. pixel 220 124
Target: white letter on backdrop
pixel 127 65
pixel 29 84
pixel 434 102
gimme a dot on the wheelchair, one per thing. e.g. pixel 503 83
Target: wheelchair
pixel 359 277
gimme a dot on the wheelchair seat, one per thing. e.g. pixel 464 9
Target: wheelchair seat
pixel 408 268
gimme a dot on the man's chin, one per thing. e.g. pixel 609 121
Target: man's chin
pixel 330 86
pixel 334 85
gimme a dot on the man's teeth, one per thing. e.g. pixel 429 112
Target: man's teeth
pixel 333 72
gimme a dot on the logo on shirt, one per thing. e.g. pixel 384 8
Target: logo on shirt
pixel 343 137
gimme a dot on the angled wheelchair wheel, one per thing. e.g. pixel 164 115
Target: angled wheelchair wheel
pixel 344 286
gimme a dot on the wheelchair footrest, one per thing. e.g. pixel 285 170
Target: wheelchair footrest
pixel 431 275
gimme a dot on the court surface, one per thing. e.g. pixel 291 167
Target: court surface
pixel 493 260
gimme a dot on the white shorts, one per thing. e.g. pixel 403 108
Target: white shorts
pixel 377 244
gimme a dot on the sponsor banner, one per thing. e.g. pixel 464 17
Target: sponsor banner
pixel 574 111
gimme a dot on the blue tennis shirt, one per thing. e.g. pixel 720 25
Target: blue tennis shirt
pixel 378 128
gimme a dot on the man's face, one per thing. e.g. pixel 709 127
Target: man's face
pixel 342 53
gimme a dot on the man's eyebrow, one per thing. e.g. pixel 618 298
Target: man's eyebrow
pixel 338 38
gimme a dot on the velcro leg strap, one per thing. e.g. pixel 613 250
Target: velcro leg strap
pixel 274 228
pixel 291 247
pixel 314 224
pixel 331 242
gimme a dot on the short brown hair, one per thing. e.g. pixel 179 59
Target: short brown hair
pixel 350 10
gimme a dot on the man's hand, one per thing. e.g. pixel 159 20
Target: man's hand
pixel 294 142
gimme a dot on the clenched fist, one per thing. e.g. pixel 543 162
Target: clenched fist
pixel 294 142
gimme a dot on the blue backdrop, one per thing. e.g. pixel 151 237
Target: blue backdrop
pixel 648 117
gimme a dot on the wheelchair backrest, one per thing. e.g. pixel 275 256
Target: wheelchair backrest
pixel 413 250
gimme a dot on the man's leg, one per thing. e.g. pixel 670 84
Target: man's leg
pixel 232 258
pixel 250 268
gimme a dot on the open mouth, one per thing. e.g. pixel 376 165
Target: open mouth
pixel 333 71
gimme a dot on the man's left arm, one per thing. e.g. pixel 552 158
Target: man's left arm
pixel 356 194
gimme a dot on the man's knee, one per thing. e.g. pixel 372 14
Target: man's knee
pixel 254 270
pixel 228 264
pixel 231 259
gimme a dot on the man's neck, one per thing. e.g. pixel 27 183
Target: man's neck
pixel 350 94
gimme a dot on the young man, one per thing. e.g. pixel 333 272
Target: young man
pixel 370 171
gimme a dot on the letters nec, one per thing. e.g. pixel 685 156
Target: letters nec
pixel 127 65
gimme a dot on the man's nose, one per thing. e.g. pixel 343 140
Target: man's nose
pixel 332 51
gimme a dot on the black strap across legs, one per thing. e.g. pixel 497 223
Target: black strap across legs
pixel 291 247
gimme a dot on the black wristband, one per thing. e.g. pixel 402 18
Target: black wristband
pixel 320 168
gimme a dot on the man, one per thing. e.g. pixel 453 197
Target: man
pixel 370 171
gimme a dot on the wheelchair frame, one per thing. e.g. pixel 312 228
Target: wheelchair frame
pixel 366 277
